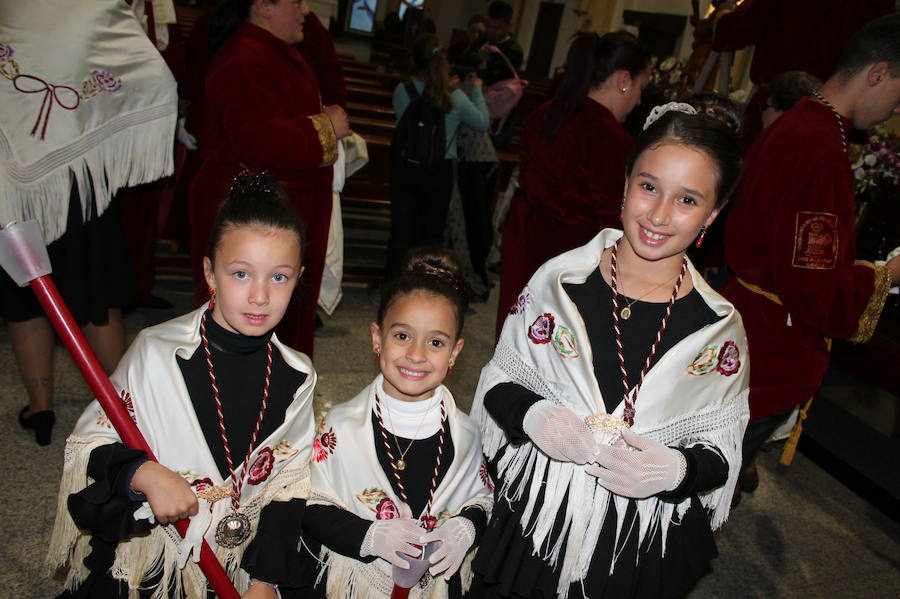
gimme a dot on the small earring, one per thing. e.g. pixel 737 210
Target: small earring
pixel 377 357
pixel 702 235
pixel 622 210
pixel 212 298
pixel 450 370
pixel 624 90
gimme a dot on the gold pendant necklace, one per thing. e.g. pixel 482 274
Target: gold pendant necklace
pixel 625 313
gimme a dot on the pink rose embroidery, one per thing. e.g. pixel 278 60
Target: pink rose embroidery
pixel 541 330
pixel 6 52
pixel 202 484
pixel 125 398
pixel 729 359
pixel 262 466
pixel 106 80
pixel 485 476
pixel 386 510
pixel 324 445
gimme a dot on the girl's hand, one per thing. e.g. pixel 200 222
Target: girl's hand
pixel 456 536
pixel 170 496
pixel 559 433
pixel 477 82
pixel 260 590
pixel 653 469
pixel 339 120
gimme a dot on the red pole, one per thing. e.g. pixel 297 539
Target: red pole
pixel 96 378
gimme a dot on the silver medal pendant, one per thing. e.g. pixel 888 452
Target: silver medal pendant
pixel 233 530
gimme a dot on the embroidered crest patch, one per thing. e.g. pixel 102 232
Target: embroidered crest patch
pixel 705 361
pixel 729 359
pixel 564 342
pixel 284 451
pixel 541 330
pixel 125 398
pixel 816 240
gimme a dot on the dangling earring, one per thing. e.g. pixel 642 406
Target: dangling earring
pixel 212 298
pixel 702 235
pixel 377 357
pixel 622 210
pixel 450 370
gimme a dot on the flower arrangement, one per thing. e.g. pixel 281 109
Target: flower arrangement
pixel 876 165
pixel 666 76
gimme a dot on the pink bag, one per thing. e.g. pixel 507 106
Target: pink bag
pixel 503 96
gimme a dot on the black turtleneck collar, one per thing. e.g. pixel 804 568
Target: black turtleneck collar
pixel 233 343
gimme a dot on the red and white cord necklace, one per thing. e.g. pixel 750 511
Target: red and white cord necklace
pixel 426 520
pixel 631 398
pixel 234 528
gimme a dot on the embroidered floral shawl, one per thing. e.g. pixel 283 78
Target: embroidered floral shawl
pixel 85 97
pixel 153 390
pixel 544 347
pixel 345 472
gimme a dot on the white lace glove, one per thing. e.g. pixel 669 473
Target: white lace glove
pixel 385 538
pixel 653 469
pixel 182 135
pixel 456 536
pixel 559 433
pixel 193 539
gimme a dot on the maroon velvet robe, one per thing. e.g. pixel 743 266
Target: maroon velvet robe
pixel 262 110
pixel 791 235
pixel 570 190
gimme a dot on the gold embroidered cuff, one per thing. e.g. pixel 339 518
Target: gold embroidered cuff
pixel 869 317
pixel 327 138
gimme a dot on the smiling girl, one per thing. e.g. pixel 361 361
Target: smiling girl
pixel 614 405
pixel 226 409
pixel 399 466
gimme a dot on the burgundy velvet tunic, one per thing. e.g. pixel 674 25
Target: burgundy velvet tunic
pixel 262 110
pixel 790 241
pixel 570 189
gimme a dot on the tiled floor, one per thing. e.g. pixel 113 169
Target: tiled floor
pixel 801 535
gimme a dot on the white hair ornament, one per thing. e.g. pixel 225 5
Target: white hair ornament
pixel 662 109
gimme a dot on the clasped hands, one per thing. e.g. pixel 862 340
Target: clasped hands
pixel 388 539
pixel 645 470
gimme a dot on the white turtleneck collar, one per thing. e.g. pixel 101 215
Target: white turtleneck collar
pixel 410 419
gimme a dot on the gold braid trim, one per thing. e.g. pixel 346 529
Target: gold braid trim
pixel 326 137
pixel 870 315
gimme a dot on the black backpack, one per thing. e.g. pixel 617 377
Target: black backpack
pixel 419 141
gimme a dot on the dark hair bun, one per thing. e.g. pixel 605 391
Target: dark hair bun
pixel 432 269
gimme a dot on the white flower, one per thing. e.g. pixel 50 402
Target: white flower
pixel 859 174
pixel 667 63
pixel 870 159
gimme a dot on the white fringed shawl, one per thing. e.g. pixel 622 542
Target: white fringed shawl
pixel 695 393
pixel 85 95
pixel 153 390
pixel 346 473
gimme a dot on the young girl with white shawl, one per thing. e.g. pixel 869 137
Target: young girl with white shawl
pixel 614 406
pixel 226 409
pixel 400 466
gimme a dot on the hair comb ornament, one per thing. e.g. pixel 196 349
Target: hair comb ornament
pixel 246 181
pixel 445 275
pixel 662 109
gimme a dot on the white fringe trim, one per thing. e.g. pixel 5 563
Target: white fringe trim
pixel 129 150
pixel 349 578
pixel 140 558
pixel 721 426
